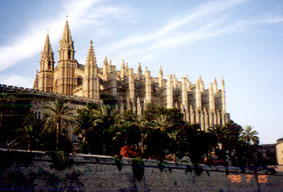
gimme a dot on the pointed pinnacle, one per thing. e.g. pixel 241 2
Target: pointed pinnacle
pixel 105 62
pixel 91 60
pixel 47 50
pixel 67 32
pixel 139 67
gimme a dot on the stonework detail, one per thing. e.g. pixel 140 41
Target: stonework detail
pixel 130 90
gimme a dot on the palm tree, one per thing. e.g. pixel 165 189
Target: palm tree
pixel 105 114
pixel 162 122
pixel 84 125
pixel 57 115
pixel 249 136
pixel 128 129
pixel 32 132
pixel 105 119
pixel 221 133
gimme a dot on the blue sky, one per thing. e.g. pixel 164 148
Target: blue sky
pixel 240 40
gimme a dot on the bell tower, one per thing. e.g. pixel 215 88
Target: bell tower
pixel 66 81
pixel 45 75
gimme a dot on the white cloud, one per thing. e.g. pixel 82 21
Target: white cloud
pixel 203 11
pixel 212 29
pixel 31 42
pixel 16 80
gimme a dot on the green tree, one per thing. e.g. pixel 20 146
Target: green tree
pixel 221 133
pixel 128 132
pixel 14 107
pixel 106 117
pixel 58 116
pixel 162 122
pixel 84 128
pixel 32 133
pixel 249 136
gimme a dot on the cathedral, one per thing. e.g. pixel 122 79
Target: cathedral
pixel 131 90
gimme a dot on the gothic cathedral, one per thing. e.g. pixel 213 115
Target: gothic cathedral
pixel 131 91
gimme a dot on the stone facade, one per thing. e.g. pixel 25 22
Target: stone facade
pixel 130 90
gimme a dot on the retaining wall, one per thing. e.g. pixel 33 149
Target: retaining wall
pixel 35 171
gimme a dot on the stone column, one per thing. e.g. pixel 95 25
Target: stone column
pixel 211 98
pixel 218 118
pixel 169 95
pixel 148 94
pixel 139 109
pixel 106 69
pixel 197 115
pixel 192 116
pixel 122 70
pixel 215 89
pixel 211 118
pixel 139 72
pixel 215 118
pixel 184 94
pixel 113 80
pixel 198 96
pixel 175 82
pixel 131 85
pixel 223 103
pixel 206 120
pixel 202 126
pixel 160 77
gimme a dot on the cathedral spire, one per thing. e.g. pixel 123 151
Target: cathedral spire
pixel 91 60
pixel 90 80
pixel 47 59
pixel 45 75
pixel 67 32
pixel 47 46
pixel 66 48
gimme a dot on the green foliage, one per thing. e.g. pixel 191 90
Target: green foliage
pixel 14 108
pixel 138 168
pixel 84 128
pixel 106 117
pixel 159 133
pixel 161 165
pixel 118 162
pixel 32 133
pixel 59 117
pixel 249 136
pixel 60 159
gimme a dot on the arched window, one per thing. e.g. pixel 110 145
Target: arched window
pixel 69 54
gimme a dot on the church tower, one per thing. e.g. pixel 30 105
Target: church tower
pixel 65 80
pixel 90 79
pixel 45 75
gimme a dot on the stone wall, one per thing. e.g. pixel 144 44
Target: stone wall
pixel 44 95
pixel 35 171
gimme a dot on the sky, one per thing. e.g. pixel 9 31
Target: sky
pixel 239 40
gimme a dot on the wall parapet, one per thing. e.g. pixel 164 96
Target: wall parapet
pixel 101 173
pixel 11 88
